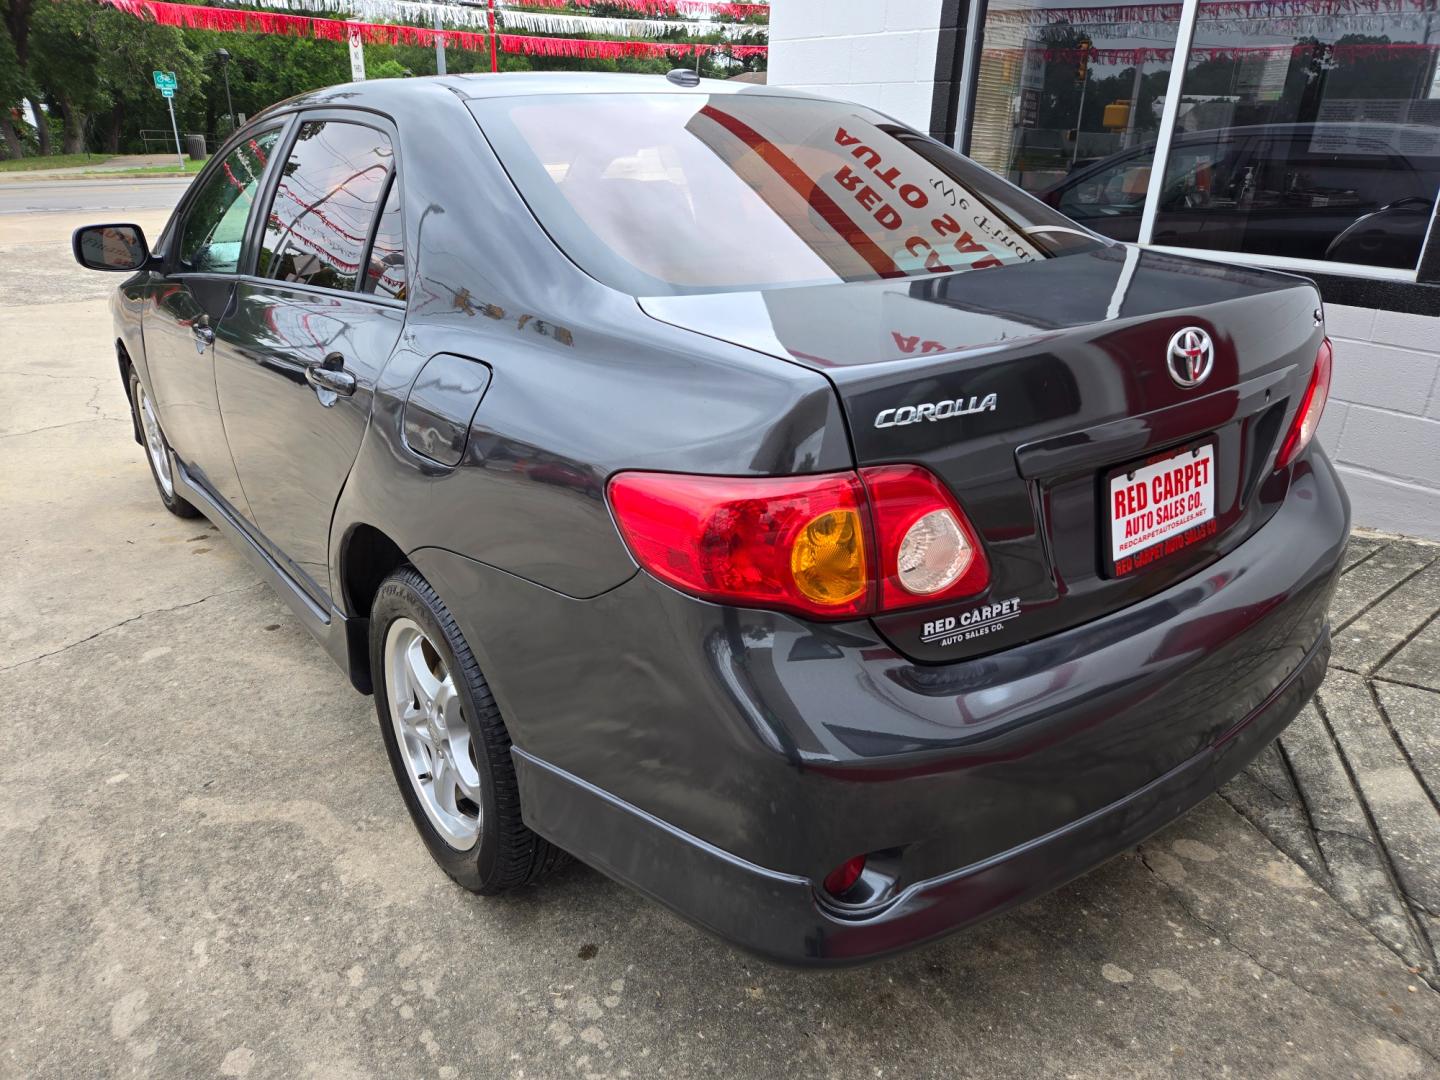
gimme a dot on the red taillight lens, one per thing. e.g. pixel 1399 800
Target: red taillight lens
pixel 832 546
pixel 1312 407
pixel 796 543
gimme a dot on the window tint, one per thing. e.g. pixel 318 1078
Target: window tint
pixel 215 223
pixel 1117 192
pixel 1061 89
pixel 324 203
pixel 1342 122
pixel 385 273
pixel 662 193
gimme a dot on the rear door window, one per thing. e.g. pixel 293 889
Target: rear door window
pixel 324 204
pixel 385 270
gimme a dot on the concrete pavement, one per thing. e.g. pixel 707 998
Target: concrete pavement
pixel 36 220
pixel 206 870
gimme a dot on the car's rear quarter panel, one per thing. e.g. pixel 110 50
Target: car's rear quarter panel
pixel 583 385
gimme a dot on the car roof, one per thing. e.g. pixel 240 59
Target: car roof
pixel 382 93
pixel 507 84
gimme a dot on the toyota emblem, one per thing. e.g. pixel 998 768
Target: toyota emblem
pixel 1191 356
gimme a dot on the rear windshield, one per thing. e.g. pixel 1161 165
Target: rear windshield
pixel 657 194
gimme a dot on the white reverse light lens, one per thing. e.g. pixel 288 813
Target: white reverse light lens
pixel 933 554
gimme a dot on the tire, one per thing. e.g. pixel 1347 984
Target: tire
pixel 470 773
pixel 157 449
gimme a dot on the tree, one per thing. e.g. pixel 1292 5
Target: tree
pixel 15 84
pixel 65 55
pixel 389 68
pixel 91 65
pixel 12 94
pixel 133 49
pixel 91 60
pixel 266 68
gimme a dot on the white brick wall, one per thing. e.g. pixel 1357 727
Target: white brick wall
pixel 1382 425
pixel 879 53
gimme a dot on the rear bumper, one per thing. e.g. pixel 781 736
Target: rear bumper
pixel 779 916
pixel 722 761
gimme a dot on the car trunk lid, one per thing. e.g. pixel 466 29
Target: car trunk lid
pixel 1028 389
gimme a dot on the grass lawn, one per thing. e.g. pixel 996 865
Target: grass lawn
pixel 191 168
pixel 70 161
pixel 51 161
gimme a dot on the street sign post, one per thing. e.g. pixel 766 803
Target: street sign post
pixel 167 84
pixel 357 57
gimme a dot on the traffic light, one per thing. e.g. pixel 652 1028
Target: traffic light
pixel 1116 116
pixel 1083 65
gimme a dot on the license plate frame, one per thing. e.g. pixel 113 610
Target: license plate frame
pixel 1162 539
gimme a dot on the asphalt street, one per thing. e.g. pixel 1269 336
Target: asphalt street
pixel 20 196
pixel 206 870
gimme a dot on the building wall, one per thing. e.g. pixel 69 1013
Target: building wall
pixel 879 53
pixel 1382 425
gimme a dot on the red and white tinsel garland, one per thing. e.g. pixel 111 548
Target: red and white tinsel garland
pixel 476 17
pixel 194 17
pixel 546 22
pixel 591 49
pixel 1284 18
pixel 1210 10
pixel 1131 57
pixel 663 8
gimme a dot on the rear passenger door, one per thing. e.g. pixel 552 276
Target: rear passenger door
pixel 310 327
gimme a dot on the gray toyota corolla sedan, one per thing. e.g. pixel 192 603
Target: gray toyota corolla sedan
pixel 739 490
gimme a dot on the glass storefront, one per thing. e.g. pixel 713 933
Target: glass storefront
pixel 1059 93
pixel 1302 129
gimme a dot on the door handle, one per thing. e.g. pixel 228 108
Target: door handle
pixel 330 374
pixel 201 329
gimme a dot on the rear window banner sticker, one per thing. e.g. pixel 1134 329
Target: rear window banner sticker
pixel 874 195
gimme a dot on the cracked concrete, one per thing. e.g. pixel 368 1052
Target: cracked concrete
pixel 208 871
pixel 130 619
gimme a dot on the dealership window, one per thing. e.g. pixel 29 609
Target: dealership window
pixel 1058 95
pixel 1297 132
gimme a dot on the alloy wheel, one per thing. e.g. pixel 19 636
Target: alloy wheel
pixel 155 442
pixel 432 734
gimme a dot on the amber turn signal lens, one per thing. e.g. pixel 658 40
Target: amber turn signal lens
pixel 827 558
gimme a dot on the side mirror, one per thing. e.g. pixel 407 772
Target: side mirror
pixel 110 247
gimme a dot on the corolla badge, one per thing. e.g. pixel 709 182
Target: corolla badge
pixel 1190 357
pixel 935 410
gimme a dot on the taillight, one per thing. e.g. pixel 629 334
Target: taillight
pixel 797 543
pixel 833 546
pixel 1312 406
pixel 925 547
